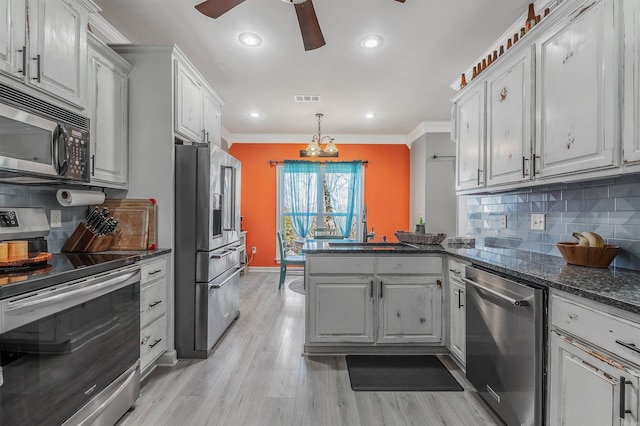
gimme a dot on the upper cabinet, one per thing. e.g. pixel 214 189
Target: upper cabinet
pixel 197 107
pixel 631 94
pixel 13 37
pixel 577 97
pixel 554 101
pixel 107 108
pixel 51 55
pixel 469 134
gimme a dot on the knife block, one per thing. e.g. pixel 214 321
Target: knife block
pixel 85 240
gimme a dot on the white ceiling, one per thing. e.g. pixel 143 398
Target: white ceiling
pixel 427 44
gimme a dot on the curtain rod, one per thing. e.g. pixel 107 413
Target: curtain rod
pixel 276 162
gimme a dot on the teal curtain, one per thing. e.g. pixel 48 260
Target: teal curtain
pixel 343 187
pixel 301 194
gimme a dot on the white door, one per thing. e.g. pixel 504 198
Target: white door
pixel 58 48
pixel 188 104
pixel 457 329
pixel 340 309
pixel 409 310
pixel 13 38
pixel 631 93
pixel 469 132
pixel 108 99
pixel 211 119
pixel 509 120
pixel 577 97
pixel 585 386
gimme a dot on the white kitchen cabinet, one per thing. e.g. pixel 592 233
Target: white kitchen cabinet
pixel 211 118
pixel 410 310
pixel 107 108
pixel 577 98
pixel 470 137
pixel 457 317
pixel 631 93
pixel 13 37
pixel 373 300
pixel 58 48
pixel 594 373
pixel 188 103
pixel 154 291
pixel 509 129
pixel 342 309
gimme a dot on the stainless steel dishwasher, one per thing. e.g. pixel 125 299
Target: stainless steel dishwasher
pixel 505 342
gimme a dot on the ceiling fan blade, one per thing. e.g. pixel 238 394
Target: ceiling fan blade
pixel 309 26
pixel 216 8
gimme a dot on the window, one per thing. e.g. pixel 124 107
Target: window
pixel 313 195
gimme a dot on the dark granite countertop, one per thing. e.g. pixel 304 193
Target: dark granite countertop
pixel 143 254
pixel 612 286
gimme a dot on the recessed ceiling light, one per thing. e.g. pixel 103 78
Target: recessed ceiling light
pixel 254 114
pixel 371 42
pixel 369 115
pixel 250 39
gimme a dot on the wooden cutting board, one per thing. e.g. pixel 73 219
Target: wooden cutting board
pixel 137 223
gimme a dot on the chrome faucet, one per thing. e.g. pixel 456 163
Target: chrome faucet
pixel 366 235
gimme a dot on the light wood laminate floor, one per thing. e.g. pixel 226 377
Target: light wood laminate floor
pixel 257 376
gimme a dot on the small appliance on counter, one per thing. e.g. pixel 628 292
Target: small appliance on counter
pixel 69 330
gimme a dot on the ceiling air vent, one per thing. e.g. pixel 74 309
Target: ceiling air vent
pixel 306 98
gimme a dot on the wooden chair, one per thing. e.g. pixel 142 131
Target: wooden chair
pixel 287 260
pixel 326 234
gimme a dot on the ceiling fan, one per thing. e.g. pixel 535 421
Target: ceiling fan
pixel 309 27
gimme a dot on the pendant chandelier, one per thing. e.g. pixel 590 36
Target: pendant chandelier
pixel 315 150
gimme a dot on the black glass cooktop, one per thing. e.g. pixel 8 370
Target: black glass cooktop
pixel 62 267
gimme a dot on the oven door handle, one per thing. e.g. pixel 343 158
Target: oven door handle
pixel 510 300
pixel 219 255
pixel 236 273
pixel 87 292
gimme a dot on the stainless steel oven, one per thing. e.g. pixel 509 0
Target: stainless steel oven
pixel 41 141
pixel 69 352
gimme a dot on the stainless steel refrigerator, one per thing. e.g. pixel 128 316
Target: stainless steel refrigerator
pixel 207 246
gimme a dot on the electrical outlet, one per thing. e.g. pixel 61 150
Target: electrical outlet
pixel 56 218
pixel 538 221
pixel 503 221
pixel 253 250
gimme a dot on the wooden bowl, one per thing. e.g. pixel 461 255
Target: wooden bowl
pixel 595 257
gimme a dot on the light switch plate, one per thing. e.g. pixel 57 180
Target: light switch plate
pixel 538 221
pixel 56 218
pixel 503 221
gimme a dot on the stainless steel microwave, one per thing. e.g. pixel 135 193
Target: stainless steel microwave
pixel 41 141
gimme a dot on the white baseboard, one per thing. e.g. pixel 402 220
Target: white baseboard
pixel 263 269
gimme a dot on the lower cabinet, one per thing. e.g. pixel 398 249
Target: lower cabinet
pixel 457 318
pixel 593 371
pixel 370 301
pixel 153 311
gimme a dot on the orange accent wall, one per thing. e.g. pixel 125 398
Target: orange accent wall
pixel 386 190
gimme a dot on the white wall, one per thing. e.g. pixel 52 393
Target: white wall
pixel 433 183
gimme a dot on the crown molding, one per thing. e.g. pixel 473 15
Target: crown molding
pixel 305 138
pixel 425 127
pixel 106 32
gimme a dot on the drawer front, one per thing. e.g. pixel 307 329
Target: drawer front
pixel 612 333
pixel 153 341
pixel 153 270
pixel 410 265
pixel 340 265
pixel 153 302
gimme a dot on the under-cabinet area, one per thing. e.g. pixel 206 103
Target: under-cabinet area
pixel 375 302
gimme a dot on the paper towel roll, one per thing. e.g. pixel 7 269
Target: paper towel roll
pixel 78 197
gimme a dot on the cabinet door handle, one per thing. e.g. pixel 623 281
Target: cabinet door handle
pixel 155 272
pixel 371 289
pixel 157 302
pixel 381 286
pixel 37 59
pixel 460 305
pixel 479 176
pixel 24 60
pixel 155 343
pixel 631 346
pixel 455 272
pixel 623 385
pixel 93 165
pixel 533 169
pixel 525 172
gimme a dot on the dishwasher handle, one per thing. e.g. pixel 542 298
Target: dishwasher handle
pixel 510 300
